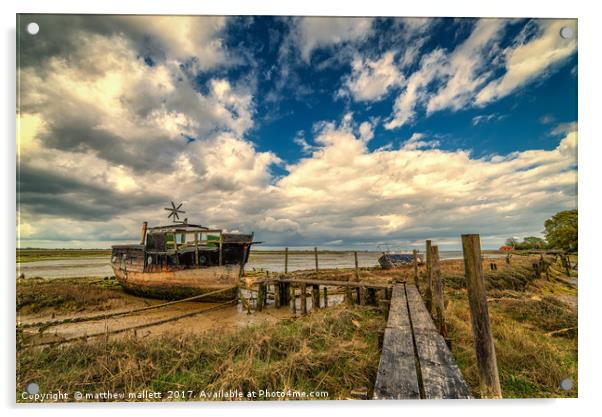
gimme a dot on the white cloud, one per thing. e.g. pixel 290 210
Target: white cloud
pixel 468 67
pixel 418 141
pixel 528 60
pixel 312 33
pixel 463 77
pixel 371 80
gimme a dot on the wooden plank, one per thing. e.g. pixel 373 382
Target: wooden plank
pixel 421 319
pixel 396 378
pixel 332 283
pixel 441 377
pixel 398 311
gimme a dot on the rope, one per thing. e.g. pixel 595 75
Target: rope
pixel 46 324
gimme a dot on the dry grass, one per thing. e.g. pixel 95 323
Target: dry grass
pixel 523 311
pixel 74 294
pixel 333 350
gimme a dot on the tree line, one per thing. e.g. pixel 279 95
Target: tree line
pixel 560 233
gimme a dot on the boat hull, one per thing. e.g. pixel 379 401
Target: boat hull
pixel 178 284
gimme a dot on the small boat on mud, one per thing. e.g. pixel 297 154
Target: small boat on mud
pixel 395 260
pixel 182 260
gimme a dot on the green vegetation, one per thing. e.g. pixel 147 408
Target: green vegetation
pixel 334 350
pixel 561 230
pixel 30 255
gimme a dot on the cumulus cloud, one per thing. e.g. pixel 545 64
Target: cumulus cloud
pixel 312 33
pixel 105 143
pixel 371 80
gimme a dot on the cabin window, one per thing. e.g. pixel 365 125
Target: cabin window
pixel 180 238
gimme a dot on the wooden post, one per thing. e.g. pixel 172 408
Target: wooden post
pixel 362 295
pixel 277 293
pixel 371 296
pixel 293 299
pixel 439 303
pixel 316 256
pixel 325 296
pixel 348 294
pixel 479 312
pixel 415 252
pixel 286 260
pixel 315 292
pixel 260 297
pixel 357 268
pixel 303 299
pixel 429 277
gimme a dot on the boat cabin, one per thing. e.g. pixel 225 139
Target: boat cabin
pixel 182 246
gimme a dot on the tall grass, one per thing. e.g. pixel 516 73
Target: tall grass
pixel 334 350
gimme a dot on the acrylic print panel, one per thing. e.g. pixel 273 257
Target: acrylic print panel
pixel 315 208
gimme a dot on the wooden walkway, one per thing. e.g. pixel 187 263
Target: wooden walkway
pixel 415 362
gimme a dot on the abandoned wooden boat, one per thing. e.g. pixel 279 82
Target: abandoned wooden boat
pixel 182 260
pixel 395 260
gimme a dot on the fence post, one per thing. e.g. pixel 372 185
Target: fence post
pixel 315 299
pixel 260 297
pixel 293 299
pixel 357 268
pixel 438 294
pixel 303 299
pixel 429 277
pixel 481 327
pixel 286 260
pixel 415 252
pixel 325 296
pixel 316 257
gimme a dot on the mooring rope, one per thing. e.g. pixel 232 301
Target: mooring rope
pixel 125 329
pixel 46 324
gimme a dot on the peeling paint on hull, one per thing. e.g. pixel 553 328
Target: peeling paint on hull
pixel 181 283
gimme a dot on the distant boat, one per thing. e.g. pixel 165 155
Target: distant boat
pixel 395 260
pixel 182 260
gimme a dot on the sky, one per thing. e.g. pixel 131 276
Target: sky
pixel 341 133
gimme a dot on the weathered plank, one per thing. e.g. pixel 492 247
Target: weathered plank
pixel 441 378
pixel 421 319
pixel 398 311
pixel 333 283
pixel 396 378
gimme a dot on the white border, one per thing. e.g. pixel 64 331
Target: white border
pixel 589 192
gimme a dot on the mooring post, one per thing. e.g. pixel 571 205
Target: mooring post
pixel 479 312
pixel 357 268
pixel 286 260
pixel 372 296
pixel 277 293
pixel 429 277
pixel 260 297
pixel 438 294
pixel 293 299
pixel 325 296
pixel 316 257
pixel 415 261
pixel 303 299
pixel 315 292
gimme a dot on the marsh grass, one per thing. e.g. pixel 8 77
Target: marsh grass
pixel 525 312
pixel 73 294
pixel 334 350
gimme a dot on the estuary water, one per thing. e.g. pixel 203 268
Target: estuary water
pixel 99 266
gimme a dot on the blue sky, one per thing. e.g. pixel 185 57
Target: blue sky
pixel 338 132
